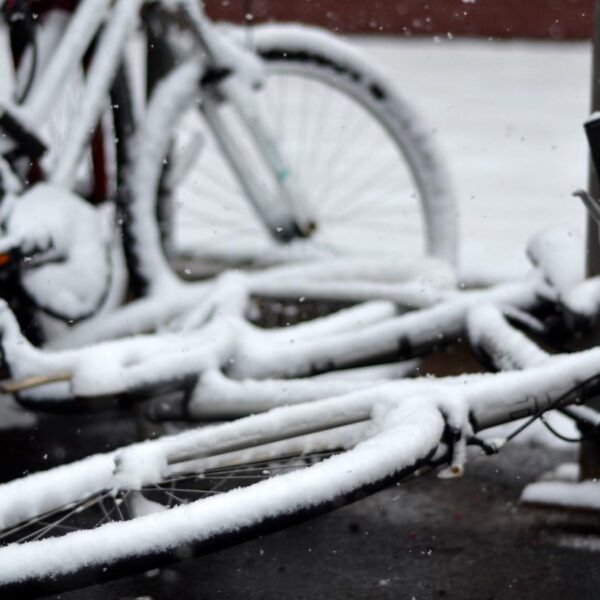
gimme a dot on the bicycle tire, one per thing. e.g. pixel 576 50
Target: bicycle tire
pixel 330 65
pixel 389 452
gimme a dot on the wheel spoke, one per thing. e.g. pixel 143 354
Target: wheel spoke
pixel 345 161
pixel 36 535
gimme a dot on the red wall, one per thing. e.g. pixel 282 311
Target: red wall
pixel 553 19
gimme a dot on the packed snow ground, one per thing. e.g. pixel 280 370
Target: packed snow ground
pixel 508 117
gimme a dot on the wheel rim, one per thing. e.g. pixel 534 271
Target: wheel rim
pixel 105 506
pixel 350 169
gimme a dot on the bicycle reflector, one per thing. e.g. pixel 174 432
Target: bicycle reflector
pixel 6 260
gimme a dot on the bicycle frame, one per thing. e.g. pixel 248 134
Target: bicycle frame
pixel 112 25
pixel 5 67
pixel 218 336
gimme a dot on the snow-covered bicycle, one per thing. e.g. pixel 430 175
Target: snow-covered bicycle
pixel 322 431
pixel 316 442
pixel 159 501
pixel 289 114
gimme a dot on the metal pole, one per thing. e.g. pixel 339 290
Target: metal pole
pixel 589 455
pixel 593 244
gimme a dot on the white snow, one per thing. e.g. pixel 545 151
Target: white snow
pixel 508 117
pixel 582 494
pixel 584 299
pixel 509 348
pixel 557 253
pixel 48 220
pixel 563 472
pixel 171 96
pixel 102 68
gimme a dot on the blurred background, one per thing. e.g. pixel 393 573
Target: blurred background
pixel 545 19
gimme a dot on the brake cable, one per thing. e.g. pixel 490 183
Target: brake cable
pixel 555 404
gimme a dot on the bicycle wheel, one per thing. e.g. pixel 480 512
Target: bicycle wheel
pixel 202 490
pixel 365 162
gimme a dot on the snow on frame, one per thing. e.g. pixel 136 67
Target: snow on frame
pixel 226 339
pixel 395 445
pixel 392 406
pixel 215 335
pixel 406 426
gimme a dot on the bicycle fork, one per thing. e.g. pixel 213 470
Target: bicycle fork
pixel 284 211
pixel 284 215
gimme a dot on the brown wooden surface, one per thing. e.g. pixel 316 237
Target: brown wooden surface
pixel 552 19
